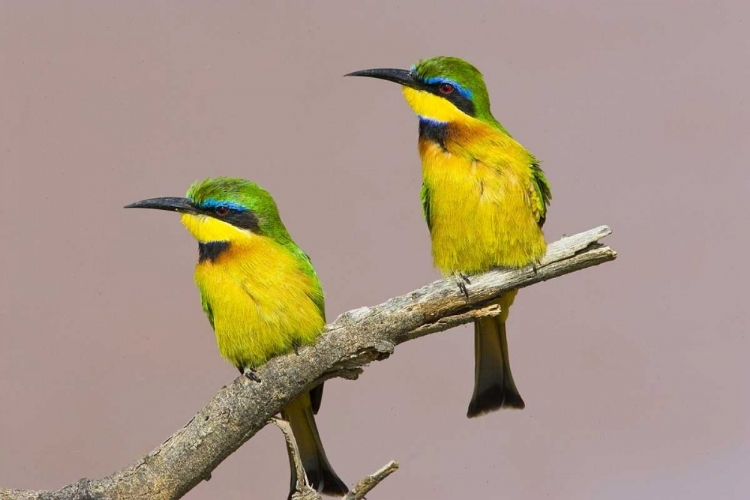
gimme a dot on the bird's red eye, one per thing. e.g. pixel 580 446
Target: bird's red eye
pixel 221 211
pixel 446 88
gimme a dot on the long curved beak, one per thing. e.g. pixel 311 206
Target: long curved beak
pixel 400 76
pixel 182 205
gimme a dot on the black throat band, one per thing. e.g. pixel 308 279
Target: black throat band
pixel 211 250
pixel 433 131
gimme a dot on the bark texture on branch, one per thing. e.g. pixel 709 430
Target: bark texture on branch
pixel 303 489
pixel 354 339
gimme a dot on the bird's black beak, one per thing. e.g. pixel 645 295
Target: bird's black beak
pixel 400 76
pixel 182 205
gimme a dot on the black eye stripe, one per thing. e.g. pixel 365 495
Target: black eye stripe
pixel 459 100
pixel 241 218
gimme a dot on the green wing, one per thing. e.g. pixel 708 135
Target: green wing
pixel 543 192
pixel 306 266
pixel 424 194
pixel 316 294
pixel 207 309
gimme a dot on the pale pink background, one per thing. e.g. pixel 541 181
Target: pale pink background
pixel 635 374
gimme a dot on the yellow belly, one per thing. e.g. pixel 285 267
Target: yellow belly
pixel 261 302
pixel 481 216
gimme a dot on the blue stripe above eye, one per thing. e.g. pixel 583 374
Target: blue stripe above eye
pixel 436 79
pixel 211 203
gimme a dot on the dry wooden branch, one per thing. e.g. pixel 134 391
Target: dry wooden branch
pixel 304 490
pixel 355 338
pixel 363 487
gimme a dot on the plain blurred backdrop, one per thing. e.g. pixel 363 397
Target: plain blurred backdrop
pixel 635 373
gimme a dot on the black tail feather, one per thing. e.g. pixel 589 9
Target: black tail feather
pixel 493 382
pixel 316 397
pixel 319 472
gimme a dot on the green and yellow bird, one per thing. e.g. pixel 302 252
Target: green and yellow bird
pixel 260 293
pixel 484 198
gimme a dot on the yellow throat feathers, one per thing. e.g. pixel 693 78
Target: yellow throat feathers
pixel 433 107
pixel 206 229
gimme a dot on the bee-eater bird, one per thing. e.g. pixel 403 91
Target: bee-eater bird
pixel 260 293
pixel 484 199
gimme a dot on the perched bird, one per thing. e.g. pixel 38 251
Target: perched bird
pixel 260 293
pixel 484 199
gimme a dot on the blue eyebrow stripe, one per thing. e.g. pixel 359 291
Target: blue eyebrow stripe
pixel 212 203
pixel 464 92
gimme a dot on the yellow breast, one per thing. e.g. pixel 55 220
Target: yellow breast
pixel 262 302
pixel 481 204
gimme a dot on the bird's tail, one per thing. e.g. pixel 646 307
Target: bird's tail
pixel 322 477
pixel 493 382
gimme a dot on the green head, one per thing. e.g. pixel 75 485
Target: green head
pixel 441 89
pixel 224 209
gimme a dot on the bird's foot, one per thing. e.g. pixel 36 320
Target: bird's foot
pixel 536 266
pixel 251 374
pixel 296 346
pixel 462 280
